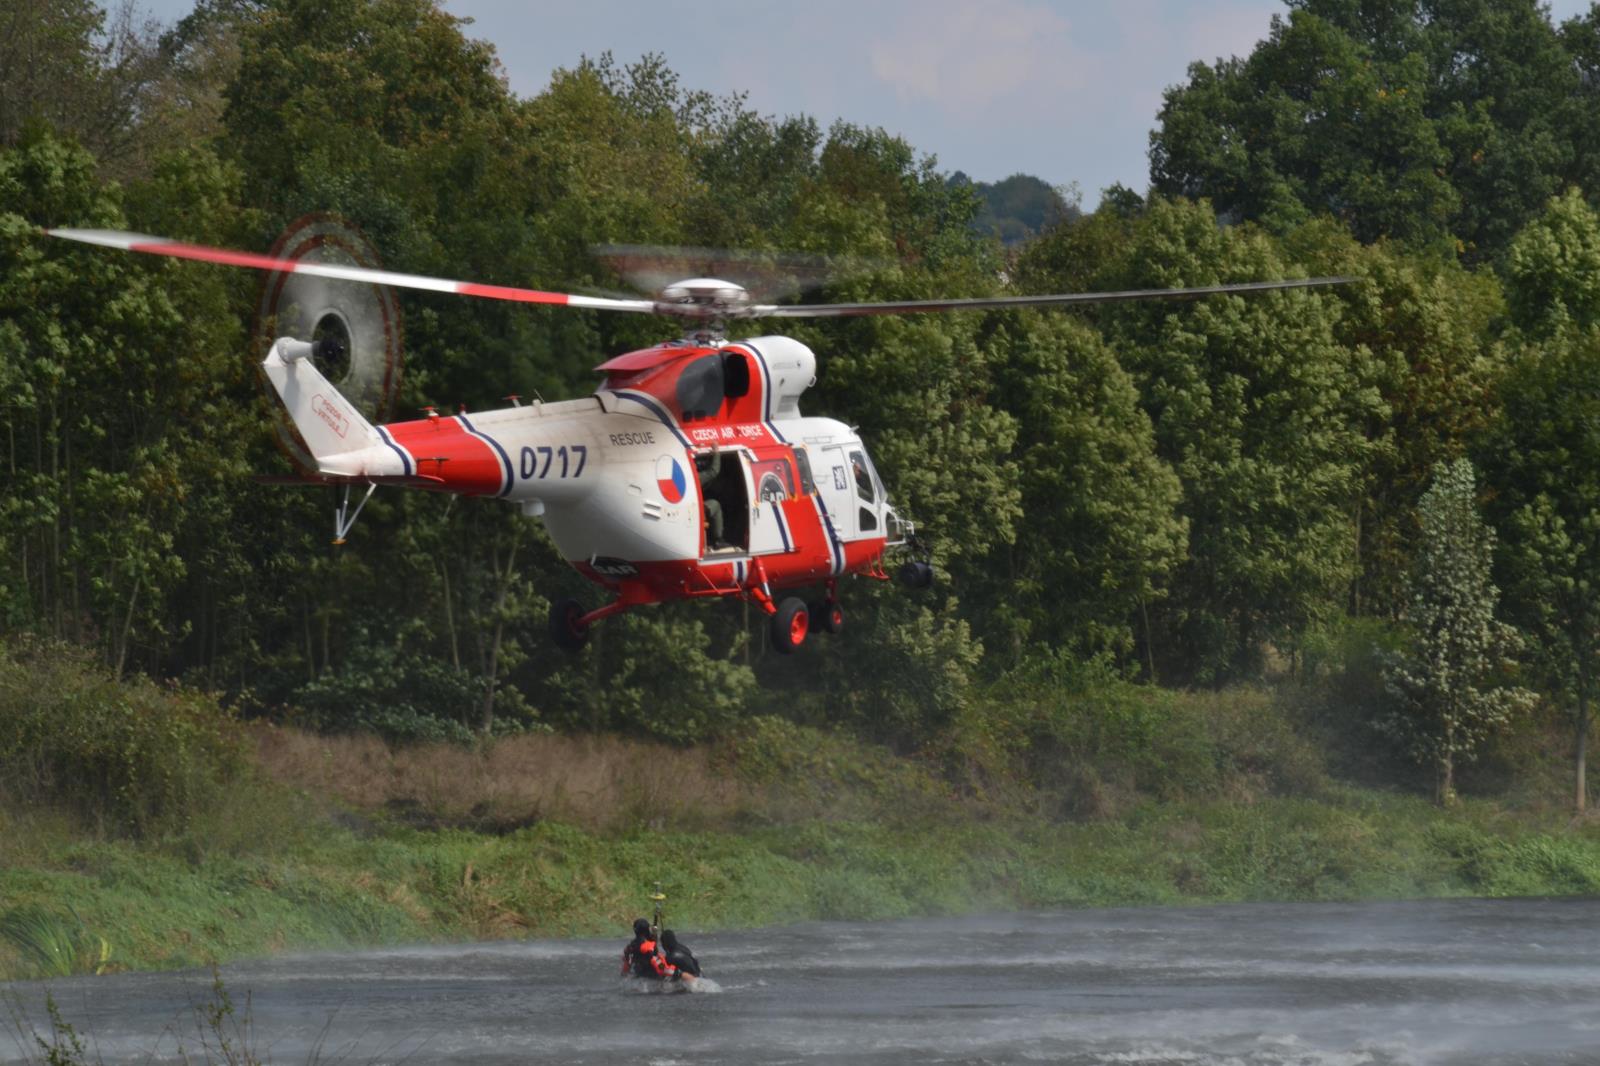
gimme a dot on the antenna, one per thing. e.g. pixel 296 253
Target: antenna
pixel 659 897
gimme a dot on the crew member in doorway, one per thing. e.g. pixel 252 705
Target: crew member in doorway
pixel 707 465
pixel 679 957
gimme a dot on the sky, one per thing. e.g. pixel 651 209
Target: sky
pixel 1066 91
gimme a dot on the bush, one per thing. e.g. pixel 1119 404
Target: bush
pixel 656 675
pixel 403 697
pixel 813 773
pixel 1092 743
pixel 1341 699
pixel 131 756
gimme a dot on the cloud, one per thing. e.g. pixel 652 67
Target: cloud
pixel 964 58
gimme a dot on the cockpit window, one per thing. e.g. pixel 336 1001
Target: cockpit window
pixel 700 388
pixel 863 477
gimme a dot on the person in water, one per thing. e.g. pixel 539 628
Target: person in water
pixel 679 957
pixel 643 957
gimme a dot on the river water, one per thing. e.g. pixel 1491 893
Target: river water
pixel 1449 982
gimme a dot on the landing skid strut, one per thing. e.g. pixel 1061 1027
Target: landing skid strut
pixel 343 517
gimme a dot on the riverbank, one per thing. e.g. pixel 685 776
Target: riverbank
pixel 141 827
pixel 86 906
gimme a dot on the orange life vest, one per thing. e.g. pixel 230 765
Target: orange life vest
pixel 647 962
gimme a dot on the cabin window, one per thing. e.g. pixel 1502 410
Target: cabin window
pixel 807 486
pixel 700 388
pixel 735 375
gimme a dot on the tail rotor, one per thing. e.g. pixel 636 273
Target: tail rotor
pixel 353 325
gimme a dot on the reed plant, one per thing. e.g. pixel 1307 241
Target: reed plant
pixel 53 944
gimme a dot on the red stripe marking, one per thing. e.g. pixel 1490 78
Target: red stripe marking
pixel 214 255
pixel 810 554
pixel 471 465
pixel 501 292
pixel 179 250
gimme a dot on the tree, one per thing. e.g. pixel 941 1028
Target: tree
pixel 117 372
pixel 1447 701
pixel 1307 125
pixel 1100 532
pixel 1543 458
pixel 1258 409
pixel 1542 454
pixel 112 82
pixel 1432 121
pixel 1553 269
pixel 1424 331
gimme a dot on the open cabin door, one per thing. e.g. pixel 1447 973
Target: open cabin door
pixel 772 482
pixel 725 501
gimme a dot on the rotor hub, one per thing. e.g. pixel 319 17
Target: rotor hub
pixel 710 298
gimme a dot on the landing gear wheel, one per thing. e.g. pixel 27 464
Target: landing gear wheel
pixel 790 625
pixel 566 629
pixel 827 615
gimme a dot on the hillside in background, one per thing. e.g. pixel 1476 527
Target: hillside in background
pixel 1018 208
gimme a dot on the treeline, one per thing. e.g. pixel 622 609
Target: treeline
pixel 1185 493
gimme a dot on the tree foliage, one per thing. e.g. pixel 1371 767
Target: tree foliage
pixel 1444 123
pixel 1541 460
pixel 1178 491
pixel 1447 684
pixel 1262 415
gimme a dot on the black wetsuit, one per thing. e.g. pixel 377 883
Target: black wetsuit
pixel 684 960
pixel 638 956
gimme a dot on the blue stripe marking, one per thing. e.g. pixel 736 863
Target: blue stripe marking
pixel 783 527
pixel 505 460
pixel 655 409
pixel 833 537
pixel 405 460
pixel 766 391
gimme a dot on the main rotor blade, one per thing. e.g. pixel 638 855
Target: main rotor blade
pixel 139 242
pixel 1051 300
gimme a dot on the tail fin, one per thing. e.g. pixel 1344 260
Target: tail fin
pixel 326 420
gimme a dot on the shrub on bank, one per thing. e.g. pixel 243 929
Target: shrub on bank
pixel 129 757
pixel 1083 743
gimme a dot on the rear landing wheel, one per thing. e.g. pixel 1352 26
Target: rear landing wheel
pixel 790 625
pixel 827 615
pixel 566 627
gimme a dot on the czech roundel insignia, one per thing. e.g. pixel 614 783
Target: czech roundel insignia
pixel 670 479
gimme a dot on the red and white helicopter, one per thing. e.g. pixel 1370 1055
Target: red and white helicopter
pixel 691 471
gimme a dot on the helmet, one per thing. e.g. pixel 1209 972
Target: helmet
pixel 669 939
pixel 641 927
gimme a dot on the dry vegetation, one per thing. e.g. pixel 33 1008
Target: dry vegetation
pixel 598 783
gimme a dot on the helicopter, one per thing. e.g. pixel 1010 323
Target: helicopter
pixel 689 473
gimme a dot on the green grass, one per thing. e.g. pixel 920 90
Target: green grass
pixel 1055 795
pixel 154 909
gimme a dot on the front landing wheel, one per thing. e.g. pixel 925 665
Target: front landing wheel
pixel 566 625
pixel 790 625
